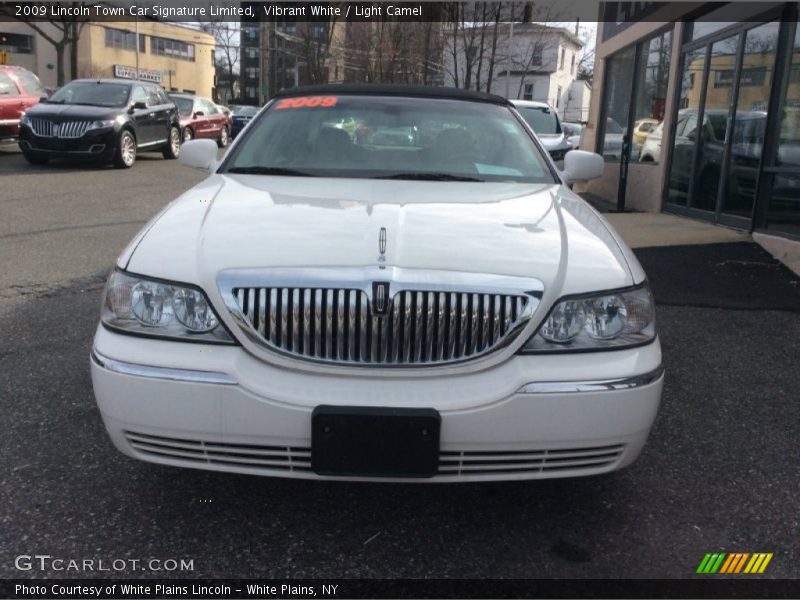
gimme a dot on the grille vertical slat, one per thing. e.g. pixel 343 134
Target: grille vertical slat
pixel 352 319
pixel 273 316
pixel 419 327
pixel 318 303
pixel 328 311
pixel 341 336
pixel 307 323
pixel 430 327
pixel 296 320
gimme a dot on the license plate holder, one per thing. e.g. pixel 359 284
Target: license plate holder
pixel 375 441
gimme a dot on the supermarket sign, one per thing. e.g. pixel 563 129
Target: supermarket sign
pixel 144 74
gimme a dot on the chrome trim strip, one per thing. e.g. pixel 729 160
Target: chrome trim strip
pixel 152 143
pixel 607 385
pixel 161 372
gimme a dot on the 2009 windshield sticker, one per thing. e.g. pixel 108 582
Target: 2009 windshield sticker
pixel 308 102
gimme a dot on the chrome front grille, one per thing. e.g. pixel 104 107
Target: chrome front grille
pixel 417 327
pixel 70 129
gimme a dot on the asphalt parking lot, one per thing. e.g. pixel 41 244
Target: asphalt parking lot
pixel 719 474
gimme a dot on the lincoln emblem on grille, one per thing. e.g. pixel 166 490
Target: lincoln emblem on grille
pixel 382 248
pixel 55 130
pixel 380 298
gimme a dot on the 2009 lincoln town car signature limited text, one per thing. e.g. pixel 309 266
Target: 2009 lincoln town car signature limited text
pixel 380 282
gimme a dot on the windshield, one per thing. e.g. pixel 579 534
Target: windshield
pixel 92 93
pixel 30 83
pixel 389 137
pixel 184 104
pixel 542 119
pixel 245 111
pixel 612 126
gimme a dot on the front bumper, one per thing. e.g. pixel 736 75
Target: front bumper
pixel 219 408
pixel 9 129
pixel 98 144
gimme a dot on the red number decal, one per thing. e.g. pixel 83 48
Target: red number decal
pixel 307 102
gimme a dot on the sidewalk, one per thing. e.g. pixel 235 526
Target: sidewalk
pixel 657 230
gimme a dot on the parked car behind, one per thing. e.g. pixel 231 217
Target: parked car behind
pixel 442 310
pixel 19 90
pixel 544 120
pixel 101 120
pixel 241 116
pixel 201 118
pixel 641 129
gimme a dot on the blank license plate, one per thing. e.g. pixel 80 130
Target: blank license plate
pixel 374 441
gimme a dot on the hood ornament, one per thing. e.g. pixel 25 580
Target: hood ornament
pixel 382 248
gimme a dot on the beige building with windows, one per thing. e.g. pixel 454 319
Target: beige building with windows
pixel 179 57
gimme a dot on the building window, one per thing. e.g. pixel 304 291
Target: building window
pixel 563 58
pixel 558 97
pixel 120 38
pixel 250 32
pixel 536 55
pixel 572 68
pixel 250 92
pixel 168 47
pixel 527 93
pixel 252 53
pixel 290 28
pixel 318 31
pixel 16 43
pixel 251 72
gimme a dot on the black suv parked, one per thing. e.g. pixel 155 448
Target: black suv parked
pixel 101 120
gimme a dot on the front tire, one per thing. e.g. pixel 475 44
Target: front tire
pixel 173 148
pixel 125 155
pixel 223 138
pixel 35 160
pixel 188 134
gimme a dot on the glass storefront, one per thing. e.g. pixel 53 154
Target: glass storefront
pixel 735 153
pixel 634 102
pixel 784 206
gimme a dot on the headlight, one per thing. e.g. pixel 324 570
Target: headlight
pixel 101 124
pixel 597 321
pixel 160 308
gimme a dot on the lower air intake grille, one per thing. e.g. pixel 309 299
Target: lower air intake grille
pixel 527 461
pixel 284 458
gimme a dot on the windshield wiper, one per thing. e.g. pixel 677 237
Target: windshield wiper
pixel 423 176
pixel 258 170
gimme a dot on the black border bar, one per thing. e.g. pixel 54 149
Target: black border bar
pixel 711 586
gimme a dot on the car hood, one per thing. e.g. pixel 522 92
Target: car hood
pixel 72 112
pixel 230 222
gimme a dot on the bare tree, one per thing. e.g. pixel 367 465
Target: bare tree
pixel 63 34
pixel 227 36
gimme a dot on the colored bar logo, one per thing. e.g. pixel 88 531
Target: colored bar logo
pixel 734 563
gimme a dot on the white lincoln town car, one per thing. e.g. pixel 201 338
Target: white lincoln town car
pixel 380 283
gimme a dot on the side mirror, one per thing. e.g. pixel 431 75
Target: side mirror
pixel 139 106
pixel 43 98
pixel 198 154
pixel 199 113
pixel 582 166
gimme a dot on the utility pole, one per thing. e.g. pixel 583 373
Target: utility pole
pixel 137 48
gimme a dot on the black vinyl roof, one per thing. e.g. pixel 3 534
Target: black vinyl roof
pixel 416 91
